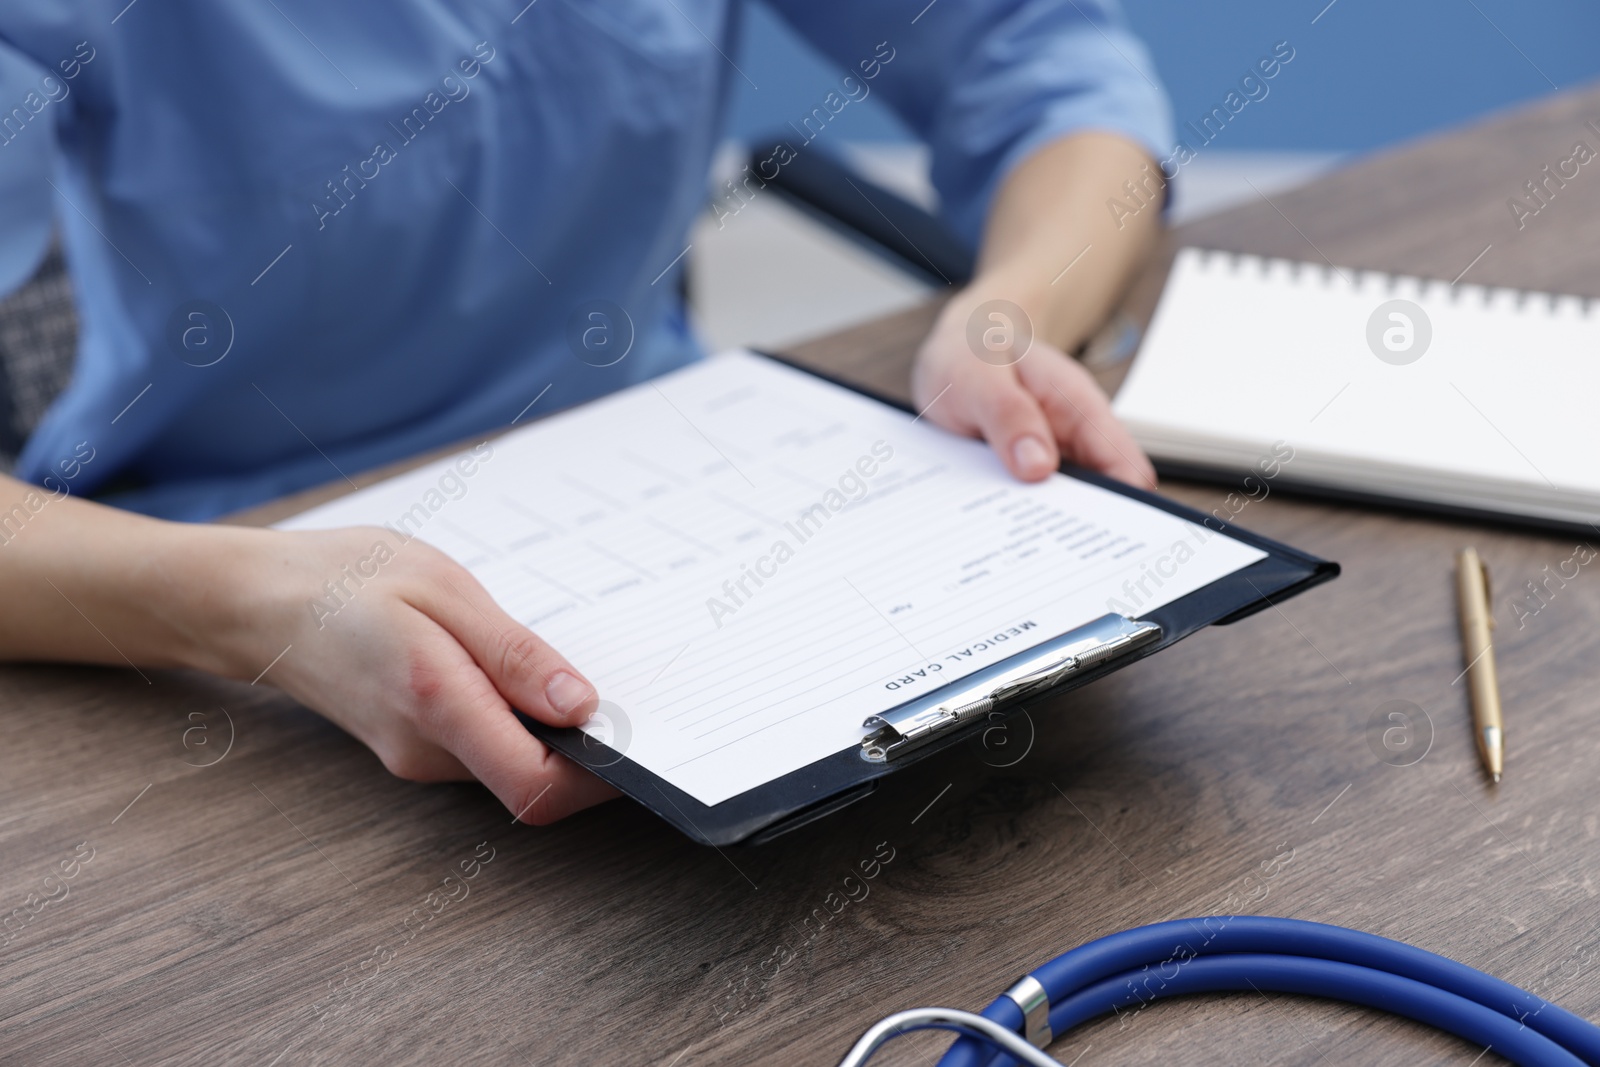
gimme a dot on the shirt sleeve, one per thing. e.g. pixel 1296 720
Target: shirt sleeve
pixel 27 156
pixel 988 82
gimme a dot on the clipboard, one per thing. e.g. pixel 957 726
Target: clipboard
pixel 904 735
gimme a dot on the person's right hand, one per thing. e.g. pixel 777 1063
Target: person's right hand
pixel 418 662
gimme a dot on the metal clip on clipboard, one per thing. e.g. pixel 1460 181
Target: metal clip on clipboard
pixel 912 725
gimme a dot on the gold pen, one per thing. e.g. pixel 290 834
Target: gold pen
pixel 1477 620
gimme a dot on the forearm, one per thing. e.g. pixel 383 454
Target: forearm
pixel 87 583
pixel 1052 244
pixel 1056 249
pixel 416 659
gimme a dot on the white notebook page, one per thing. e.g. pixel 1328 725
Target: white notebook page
pixel 1245 352
pixel 892 558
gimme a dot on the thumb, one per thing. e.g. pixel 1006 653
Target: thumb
pixel 1084 423
pixel 533 677
pixel 1011 420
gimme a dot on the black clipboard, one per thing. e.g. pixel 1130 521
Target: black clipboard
pixel 834 782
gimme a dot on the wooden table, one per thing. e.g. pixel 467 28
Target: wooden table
pixel 254 910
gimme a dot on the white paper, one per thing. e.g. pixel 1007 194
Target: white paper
pixel 748 561
pixel 1494 412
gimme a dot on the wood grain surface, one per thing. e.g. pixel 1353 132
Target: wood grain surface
pixel 259 891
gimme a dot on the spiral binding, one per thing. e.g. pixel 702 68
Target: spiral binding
pixel 1299 272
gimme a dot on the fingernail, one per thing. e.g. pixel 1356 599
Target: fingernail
pixel 567 693
pixel 1031 455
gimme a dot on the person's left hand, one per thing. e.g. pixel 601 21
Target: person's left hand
pixel 1033 412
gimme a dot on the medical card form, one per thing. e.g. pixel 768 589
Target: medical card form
pixel 748 560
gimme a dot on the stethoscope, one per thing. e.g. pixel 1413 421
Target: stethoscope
pixel 1219 953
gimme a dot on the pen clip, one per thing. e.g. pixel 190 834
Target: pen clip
pixel 1488 596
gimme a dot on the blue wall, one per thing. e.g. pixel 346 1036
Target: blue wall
pixel 1367 73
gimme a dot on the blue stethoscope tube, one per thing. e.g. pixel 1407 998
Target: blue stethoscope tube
pixel 1292 956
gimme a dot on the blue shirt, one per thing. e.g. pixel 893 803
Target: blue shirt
pixel 308 238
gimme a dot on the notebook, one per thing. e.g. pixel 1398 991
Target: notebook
pixel 1454 397
pixel 749 562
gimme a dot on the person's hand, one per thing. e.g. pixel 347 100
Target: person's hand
pixel 411 656
pixel 1033 410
